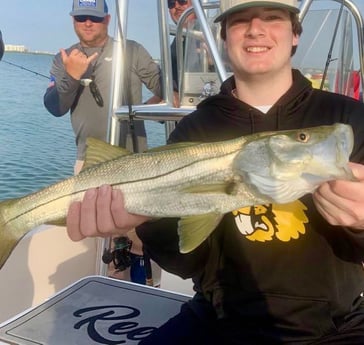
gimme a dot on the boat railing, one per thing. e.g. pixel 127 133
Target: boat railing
pixel 354 11
pixel 199 9
pixel 166 112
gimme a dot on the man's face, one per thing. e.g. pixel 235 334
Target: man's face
pixel 178 8
pixel 259 40
pixel 91 33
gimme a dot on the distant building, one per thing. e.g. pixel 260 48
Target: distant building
pixel 23 49
pixel 16 48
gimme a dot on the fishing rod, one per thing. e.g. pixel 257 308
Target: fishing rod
pixel 329 55
pixel 26 69
pixel 2 49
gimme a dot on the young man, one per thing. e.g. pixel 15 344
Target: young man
pixel 254 286
pixel 91 59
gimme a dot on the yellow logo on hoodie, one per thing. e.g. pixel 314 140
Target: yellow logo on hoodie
pixel 272 221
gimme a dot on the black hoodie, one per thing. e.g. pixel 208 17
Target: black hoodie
pixel 303 277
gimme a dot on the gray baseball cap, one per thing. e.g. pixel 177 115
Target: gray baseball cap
pixel 97 8
pixel 231 6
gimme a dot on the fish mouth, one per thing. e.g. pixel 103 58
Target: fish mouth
pixel 339 146
pixel 345 137
pixel 346 173
pixel 345 144
pixel 340 173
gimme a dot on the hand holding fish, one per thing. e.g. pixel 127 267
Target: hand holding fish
pixel 341 202
pixel 100 214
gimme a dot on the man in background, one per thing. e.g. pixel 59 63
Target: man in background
pixel 81 83
pixel 81 80
pixel 176 9
pixel 195 53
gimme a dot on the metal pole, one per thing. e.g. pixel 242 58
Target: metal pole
pixel 220 67
pixel 165 50
pixel 115 102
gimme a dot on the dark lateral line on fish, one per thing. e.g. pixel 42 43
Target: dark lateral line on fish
pixel 118 184
pixel 43 204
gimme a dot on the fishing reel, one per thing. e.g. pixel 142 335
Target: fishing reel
pixel 120 255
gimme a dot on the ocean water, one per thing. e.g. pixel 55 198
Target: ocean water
pixel 36 148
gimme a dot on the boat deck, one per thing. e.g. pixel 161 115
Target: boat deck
pixel 94 310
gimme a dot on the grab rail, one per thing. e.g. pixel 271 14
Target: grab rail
pixel 353 9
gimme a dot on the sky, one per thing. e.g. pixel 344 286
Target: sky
pixel 46 25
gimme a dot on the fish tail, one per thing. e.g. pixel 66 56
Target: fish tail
pixel 10 232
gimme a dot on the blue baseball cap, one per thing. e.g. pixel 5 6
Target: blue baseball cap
pixel 96 8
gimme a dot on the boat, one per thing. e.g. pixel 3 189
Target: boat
pixel 46 266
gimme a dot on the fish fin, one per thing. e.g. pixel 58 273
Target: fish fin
pixel 229 188
pixel 173 146
pixel 192 231
pixel 98 151
pixel 58 222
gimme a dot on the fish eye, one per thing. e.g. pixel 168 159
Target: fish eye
pixel 303 137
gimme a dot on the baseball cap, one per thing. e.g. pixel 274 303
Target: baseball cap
pixel 231 6
pixel 96 8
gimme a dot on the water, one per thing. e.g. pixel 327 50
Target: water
pixel 36 148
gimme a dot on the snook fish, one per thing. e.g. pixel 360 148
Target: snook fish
pixel 198 182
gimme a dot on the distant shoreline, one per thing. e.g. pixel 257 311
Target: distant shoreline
pixel 29 52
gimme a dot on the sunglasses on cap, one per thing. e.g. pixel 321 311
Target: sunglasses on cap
pixel 172 3
pixel 82 19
